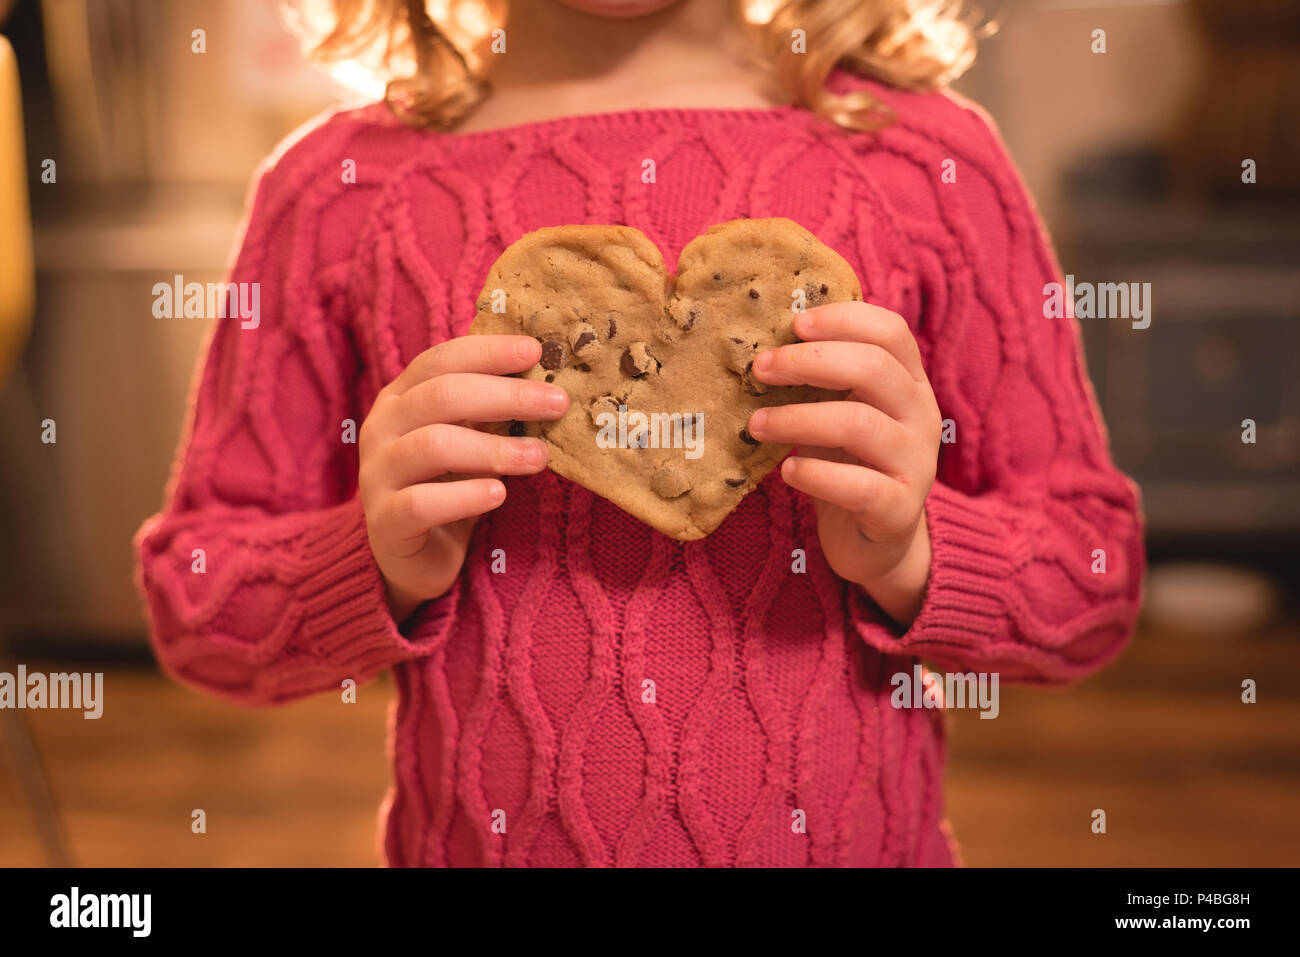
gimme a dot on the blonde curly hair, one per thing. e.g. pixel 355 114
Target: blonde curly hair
pixel 433 54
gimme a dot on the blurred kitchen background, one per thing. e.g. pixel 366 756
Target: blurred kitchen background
pixel 1135 157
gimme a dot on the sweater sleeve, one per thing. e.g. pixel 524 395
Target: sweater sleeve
pixel 257 576
pixel 1037 538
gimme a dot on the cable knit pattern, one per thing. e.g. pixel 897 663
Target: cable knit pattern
pixel 617 698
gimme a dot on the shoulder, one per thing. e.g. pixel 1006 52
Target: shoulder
pixel 321 143
pixel 942 163
pixel 940 118
pixel 328 174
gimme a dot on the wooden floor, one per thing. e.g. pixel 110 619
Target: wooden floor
pixel 1187 774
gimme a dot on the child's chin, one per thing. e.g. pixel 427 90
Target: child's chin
pixel 619 8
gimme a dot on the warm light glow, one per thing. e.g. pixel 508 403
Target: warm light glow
pixel 761 11
pixel 357 79
pixel 473 19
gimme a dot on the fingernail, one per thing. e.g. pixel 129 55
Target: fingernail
pixel 497 491
pixel 535 454
pixel 557 400
pixel 763 362
pixel 757 421
pixel 524 348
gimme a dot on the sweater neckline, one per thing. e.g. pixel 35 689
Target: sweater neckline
pixel 638 115
pixel 838 76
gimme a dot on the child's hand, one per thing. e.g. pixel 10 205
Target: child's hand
pixel 417 454
pixel 869 461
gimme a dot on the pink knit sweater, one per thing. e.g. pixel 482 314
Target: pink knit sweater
pixel 524 730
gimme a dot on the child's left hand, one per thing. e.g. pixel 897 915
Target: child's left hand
pixel 868 461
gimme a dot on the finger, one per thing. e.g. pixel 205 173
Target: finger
pixel 859 429
pixel 863 322
pixel 867 371
pixel 492 355
pixel 411 512
pixel 471 397
pixel 824 452
pixel 879 503
pixel 426 453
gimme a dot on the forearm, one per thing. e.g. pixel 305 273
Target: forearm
pixel 284 606
pixel 1012 590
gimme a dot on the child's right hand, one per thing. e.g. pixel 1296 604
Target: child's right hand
pixel 418 453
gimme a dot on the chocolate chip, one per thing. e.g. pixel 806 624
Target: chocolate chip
pixel 684 315
pixel 518 428
pixel 717 277
pixel 637 360
pixel 740 353
pixel 747 438
pixel 585 339
pixel 613 328
pixel 554 354
pixel 753 386
pixel 814 294
pixel 753 294
pixel 824 289
pixel 600 405
pixel 582 367
pixel 550 377
pixel 735 482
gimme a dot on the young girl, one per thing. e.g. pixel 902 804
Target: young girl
pixel 574 688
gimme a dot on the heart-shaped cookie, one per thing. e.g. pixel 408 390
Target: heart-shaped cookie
pixel 657 371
